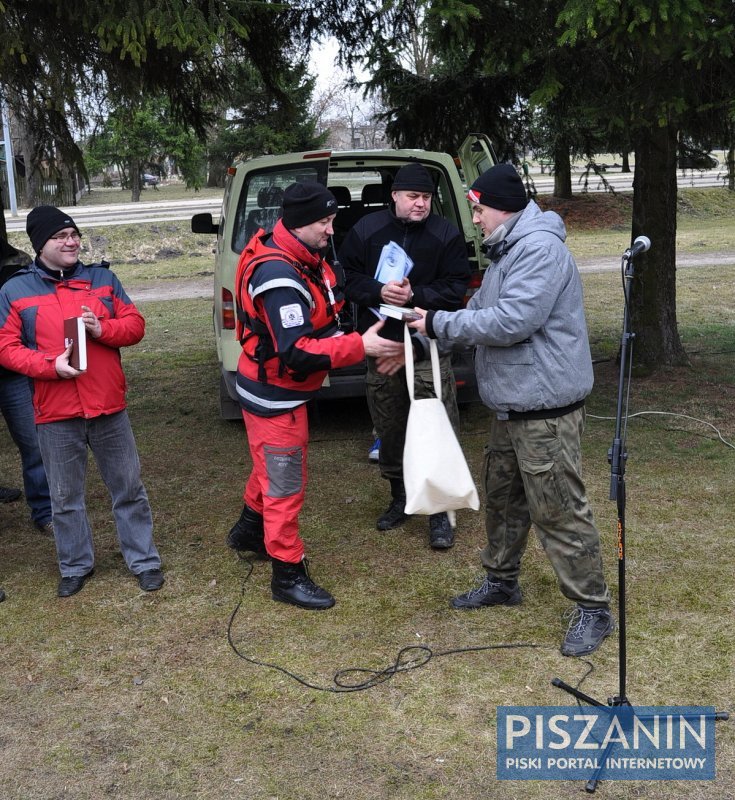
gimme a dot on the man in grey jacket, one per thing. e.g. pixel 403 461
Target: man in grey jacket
pixel 534 370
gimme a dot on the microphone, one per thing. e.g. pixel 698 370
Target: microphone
pixel 640 245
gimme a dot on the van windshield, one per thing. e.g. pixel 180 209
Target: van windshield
pixel 259 205
pixel 360 185
pixel 361 189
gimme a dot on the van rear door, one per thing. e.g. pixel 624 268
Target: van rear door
pixel 476 155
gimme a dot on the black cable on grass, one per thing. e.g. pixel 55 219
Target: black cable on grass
pixel 590 670
pixel 345 680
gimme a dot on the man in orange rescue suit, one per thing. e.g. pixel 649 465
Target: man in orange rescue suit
pixel 289 327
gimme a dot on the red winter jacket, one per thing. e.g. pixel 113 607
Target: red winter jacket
pixel 33 306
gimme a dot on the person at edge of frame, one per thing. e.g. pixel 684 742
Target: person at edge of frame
pixel 16 405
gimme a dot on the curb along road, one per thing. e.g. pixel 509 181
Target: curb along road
pixel 127 213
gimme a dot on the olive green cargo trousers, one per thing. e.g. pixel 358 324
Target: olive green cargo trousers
pixel 532 476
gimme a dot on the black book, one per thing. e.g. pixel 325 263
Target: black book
pixel 75 334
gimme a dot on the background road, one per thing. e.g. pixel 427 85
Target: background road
pixel 127 213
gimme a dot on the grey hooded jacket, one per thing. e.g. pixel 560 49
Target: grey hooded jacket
pixel 527 321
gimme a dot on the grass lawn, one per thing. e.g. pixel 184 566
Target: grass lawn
pixel 121 694
pixel 167 191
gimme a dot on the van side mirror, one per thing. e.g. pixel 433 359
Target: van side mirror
pixel 203 223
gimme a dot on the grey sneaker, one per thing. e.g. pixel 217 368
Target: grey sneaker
pixel 46 528
pixel 491 592
pixel 587 629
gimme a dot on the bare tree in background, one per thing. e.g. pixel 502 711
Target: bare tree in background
pixel 418 57
pixel 351 121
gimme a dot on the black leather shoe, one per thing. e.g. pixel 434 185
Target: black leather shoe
pixel 73 584
pixel 2 595
pixel 394 516
pixel 441 534
pixel 151 580
pixel 9 495
pixel 292 584
pixel 248 533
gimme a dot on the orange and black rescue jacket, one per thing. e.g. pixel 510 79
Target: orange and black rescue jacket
pixel 287 323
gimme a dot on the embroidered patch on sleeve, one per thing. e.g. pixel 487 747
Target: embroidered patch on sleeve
pixel 292 316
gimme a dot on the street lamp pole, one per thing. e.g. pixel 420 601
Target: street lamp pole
pixel 9 158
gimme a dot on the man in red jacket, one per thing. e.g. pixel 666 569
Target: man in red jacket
pixel 289 326
pixel 77 409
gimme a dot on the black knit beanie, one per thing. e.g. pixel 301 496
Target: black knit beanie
pixel 43 222
pixel 307 202
pixel 413 177
pixel 499 187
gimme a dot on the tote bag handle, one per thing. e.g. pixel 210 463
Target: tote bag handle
pixel 435 368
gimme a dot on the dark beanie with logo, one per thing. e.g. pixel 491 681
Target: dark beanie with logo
pixel 499 187
pixel 43 222
pixel 307 202
pixel 413 177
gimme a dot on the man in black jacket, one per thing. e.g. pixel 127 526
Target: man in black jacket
pixel 16 405
pixel 437 279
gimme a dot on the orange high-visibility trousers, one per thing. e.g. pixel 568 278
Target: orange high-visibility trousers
pixel 277 483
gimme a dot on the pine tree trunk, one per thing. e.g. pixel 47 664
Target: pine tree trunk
pixel 217 173
pixel 33 176
pixel 562 171
pixel 134 179
pixel 653 304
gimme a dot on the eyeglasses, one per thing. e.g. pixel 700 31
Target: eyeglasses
pixel 62 238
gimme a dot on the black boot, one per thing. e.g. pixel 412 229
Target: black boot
pixel 441 533
pixel 291 584
pixel 395 515
pixel 247 534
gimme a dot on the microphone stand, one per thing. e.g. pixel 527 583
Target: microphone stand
pixel 617 456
